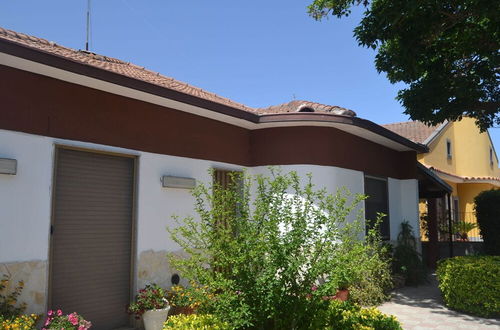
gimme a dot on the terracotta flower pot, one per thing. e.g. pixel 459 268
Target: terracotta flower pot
pixel 342 295
pixel 154 318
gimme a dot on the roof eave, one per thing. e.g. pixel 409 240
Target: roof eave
pixel 70 65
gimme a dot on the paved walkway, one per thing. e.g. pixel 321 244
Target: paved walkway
pixel 421 307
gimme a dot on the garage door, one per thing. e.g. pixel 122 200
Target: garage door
pixel 92 236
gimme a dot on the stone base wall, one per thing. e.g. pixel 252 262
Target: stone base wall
pixel 153 267
pixel 34 276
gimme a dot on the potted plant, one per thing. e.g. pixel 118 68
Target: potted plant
pixel 56 320
pixel 151 303
pixel 343 280
pixel 462 228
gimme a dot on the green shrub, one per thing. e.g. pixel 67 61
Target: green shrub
pixel 271 258
pixel 347 316
pixel 471 284
pixel 488 218
pixel 195 322
pixel 8 300
pixel 373 275
pixel 407 260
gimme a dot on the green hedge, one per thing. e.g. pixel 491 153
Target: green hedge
pixel 471 284
pixel 488 218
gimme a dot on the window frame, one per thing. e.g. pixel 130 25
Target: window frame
pixel 386 219
pixel 449 149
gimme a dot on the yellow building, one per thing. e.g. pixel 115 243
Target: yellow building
pixel 460 155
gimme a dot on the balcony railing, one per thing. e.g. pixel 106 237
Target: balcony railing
pixel 464 228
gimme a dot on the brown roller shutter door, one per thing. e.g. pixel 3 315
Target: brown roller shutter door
pixel 92 236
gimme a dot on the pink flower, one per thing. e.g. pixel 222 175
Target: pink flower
pixel 73 318
pixel 314 288
pixel 59 312
pixel 49 313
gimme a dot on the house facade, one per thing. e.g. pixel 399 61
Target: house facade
pixel 87 141
pixel 460 155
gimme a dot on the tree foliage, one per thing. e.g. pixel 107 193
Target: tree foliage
pixel 446 52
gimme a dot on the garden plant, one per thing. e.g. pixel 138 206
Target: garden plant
pixel 471 284
pixel 274 250
pixel 11 313
pixel 488 213
pixel 407 261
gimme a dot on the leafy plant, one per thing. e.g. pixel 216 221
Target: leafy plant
pixel 151 297
pixel 20 322
pixel 8 300
pixel 488 213
pixel 195 321
pixel 56 320
pixel 471 284
pixel 270 249
pixel 462 228
pixel 190 298
pixel 347 316
pixel 407 260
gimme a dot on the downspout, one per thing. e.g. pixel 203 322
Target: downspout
pixel 450 225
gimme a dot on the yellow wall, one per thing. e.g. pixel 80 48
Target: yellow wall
pixel 437 156
pixel 470 151
pixel 467 193
pixel 473 150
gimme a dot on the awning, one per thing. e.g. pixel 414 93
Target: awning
pixel 429 184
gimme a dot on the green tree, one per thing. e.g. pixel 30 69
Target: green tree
pixel 446 52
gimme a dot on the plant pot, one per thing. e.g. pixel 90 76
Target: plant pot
pixel 154 318
pixel 342 295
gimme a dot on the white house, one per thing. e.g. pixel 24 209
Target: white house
pixel 85 141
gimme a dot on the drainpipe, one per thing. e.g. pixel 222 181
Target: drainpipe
pixel 449 225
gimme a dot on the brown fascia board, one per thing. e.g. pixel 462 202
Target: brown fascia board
pixel 355 121
pixel 66 64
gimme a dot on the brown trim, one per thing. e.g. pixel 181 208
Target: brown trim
pixel 133 253
pixel 73 112
pixel 69 65
pixel 354 121
pixel 52 216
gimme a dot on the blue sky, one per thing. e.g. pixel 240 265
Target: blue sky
pixel 258 52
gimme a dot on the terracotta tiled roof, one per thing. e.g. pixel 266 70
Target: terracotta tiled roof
pixel 412 130
pixel 466 178
pixel 116 66
pixel 306 106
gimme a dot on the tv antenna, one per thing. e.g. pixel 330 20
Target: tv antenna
pixel 88 27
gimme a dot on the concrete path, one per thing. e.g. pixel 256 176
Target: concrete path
pixel 421 307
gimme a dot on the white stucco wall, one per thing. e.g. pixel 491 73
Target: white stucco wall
pixel 403 205
pixel 25 201
pixel 25 198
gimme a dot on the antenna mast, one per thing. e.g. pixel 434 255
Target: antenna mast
pixel 88 26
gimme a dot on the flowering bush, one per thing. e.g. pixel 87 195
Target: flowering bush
pixel 21 322
pixel 8 301
pixel 151 297
pixel 57 321
pixel 191 297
